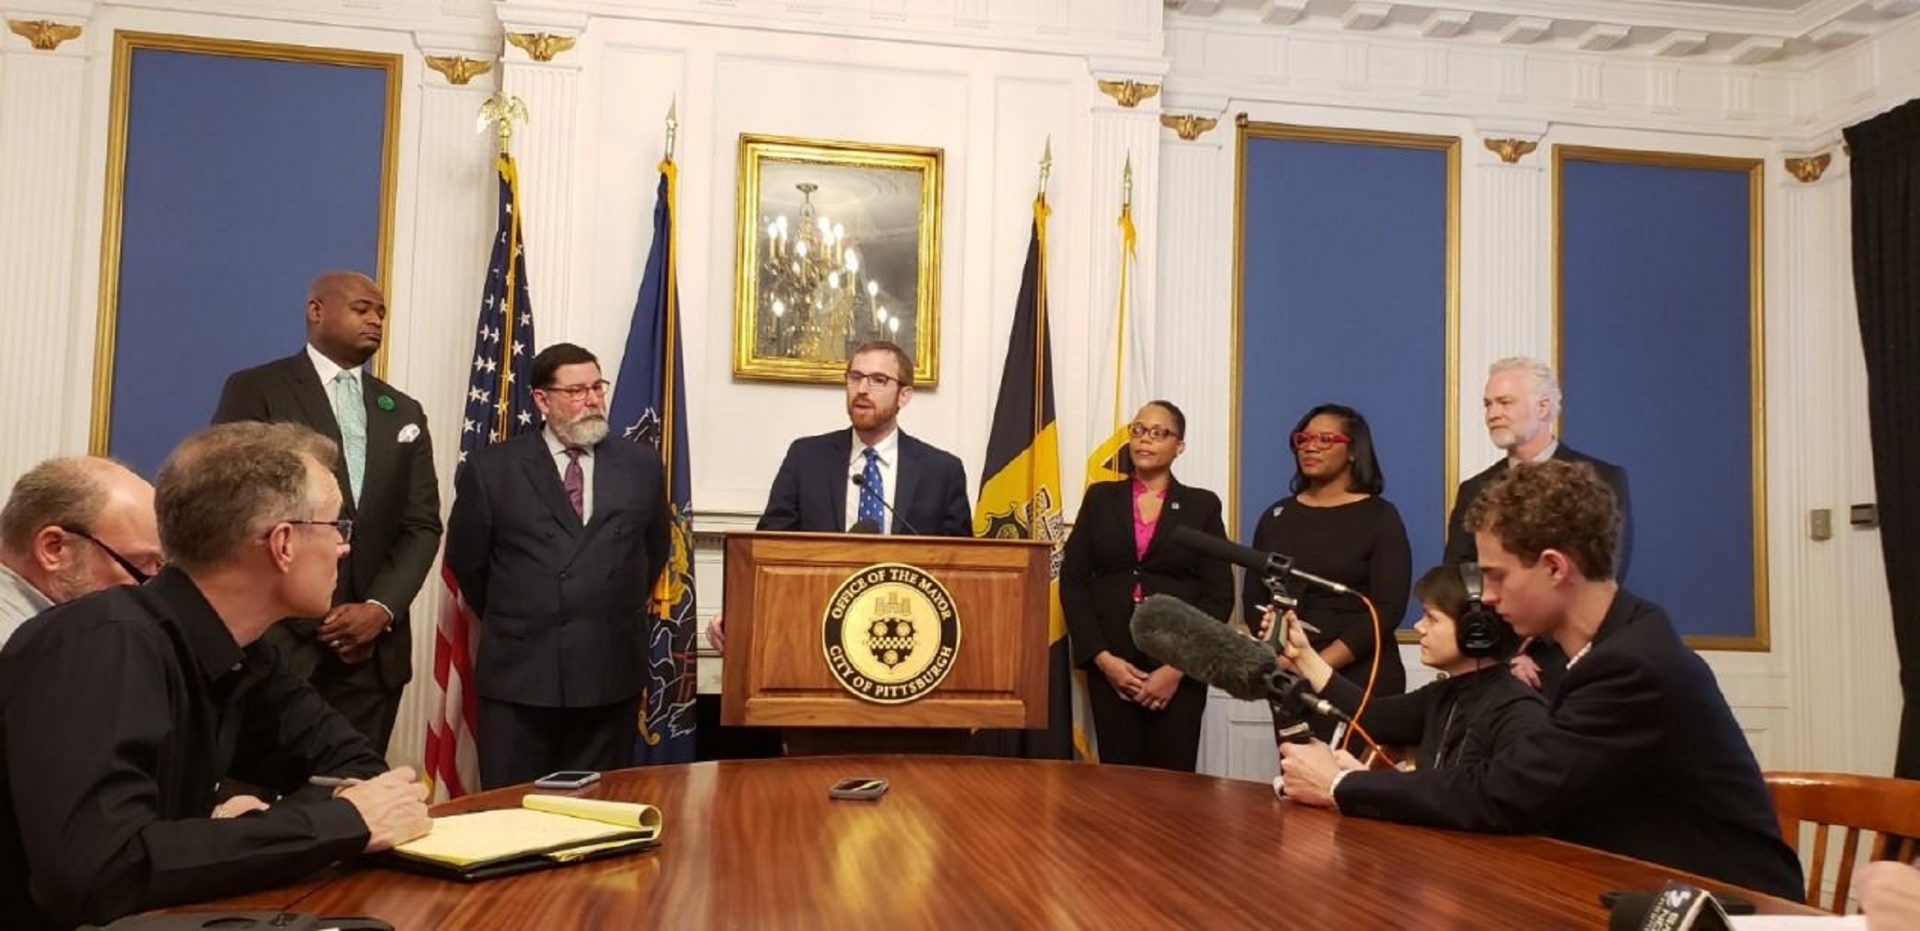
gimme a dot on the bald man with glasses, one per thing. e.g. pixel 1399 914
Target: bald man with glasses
pixel 73 526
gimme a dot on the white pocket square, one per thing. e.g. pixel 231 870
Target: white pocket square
pixel 409 433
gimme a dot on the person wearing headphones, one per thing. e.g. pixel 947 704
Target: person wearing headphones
pixel 1461 718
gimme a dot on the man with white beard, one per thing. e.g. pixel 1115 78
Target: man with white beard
pixel 555 539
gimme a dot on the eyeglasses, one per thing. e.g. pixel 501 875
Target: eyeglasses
pixel 1157 432
pixel 137 574
pixel 344 525
pixel 1304 439
pixel 879 380
pixel 576 392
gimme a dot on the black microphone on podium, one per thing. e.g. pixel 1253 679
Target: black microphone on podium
pixel 864 526
pixel 860 481
pixel 1196 643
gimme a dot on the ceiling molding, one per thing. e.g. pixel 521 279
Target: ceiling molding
pixel 1738 32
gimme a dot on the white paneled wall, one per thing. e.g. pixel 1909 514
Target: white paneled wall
pixel 990 83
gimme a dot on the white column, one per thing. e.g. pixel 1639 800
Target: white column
pixel 1194 305
pixel 1119 135
pixel 434 322
pixel 43 110
pixel 547 149
pixel 1804 350
pixel 1506 299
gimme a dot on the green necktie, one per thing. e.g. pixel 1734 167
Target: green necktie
pixel 352 414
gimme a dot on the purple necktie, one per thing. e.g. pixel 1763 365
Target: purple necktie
pixel 576 483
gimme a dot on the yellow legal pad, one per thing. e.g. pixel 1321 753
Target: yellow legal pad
pixel 545 831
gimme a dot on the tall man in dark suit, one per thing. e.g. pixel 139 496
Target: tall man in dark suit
pixel 872 475
pixel 1639 755
pixel 1522 402
pixel 360 656
pixel 556 538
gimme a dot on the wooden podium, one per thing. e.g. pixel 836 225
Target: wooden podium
pixel 798 603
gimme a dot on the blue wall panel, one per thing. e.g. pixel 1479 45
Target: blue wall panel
pixel 1344 299
pixel 245 177
pixel 1656 272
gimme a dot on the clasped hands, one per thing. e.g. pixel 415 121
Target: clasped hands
pixel 1150 690
pixel 350 630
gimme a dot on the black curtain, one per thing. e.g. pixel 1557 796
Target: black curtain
pixel 1886 278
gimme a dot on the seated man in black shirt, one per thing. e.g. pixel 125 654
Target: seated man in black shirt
pixel 1639 754
pixel 123 710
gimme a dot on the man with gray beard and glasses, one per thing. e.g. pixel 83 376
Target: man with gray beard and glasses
pixel 555 539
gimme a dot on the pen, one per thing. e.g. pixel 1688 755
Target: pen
pixel 331 782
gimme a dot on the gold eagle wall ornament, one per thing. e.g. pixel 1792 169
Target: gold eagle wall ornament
pixel 1128 93
pixel 540 46
pixel 45 35
pixel 459 70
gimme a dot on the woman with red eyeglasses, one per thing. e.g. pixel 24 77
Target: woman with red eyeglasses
pixel 1122 550
pixel 1336 525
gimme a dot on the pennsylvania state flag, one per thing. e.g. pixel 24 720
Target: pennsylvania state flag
pixel 1020 497
pixel 649 406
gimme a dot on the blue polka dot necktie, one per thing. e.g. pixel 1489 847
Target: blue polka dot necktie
pixel 872 493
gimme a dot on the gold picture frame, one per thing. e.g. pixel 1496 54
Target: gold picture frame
pixel 836 243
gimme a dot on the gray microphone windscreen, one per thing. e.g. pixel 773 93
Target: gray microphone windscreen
pixel 1198 644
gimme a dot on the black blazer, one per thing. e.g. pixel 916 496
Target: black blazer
pixel 1455 721
pixel 810 490
pixel 1639 755
pixel 562 606
pixel 1460 545
pixel 396 525
pixel 1099 568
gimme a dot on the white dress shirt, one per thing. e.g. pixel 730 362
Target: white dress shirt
pixel 1543 456
pixel 888 453
pixel 559 453
pixel 328 371
pixel 19 602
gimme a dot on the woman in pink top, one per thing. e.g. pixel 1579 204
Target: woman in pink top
pixel 1144 713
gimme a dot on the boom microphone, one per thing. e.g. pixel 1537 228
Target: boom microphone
pixel 1183 636
pixel 860 481
pixel 1268 564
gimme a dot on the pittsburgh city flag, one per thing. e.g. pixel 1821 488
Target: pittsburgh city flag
pixel 1122 383
pixel 499 406
pixel 1020 497
pixel 649 405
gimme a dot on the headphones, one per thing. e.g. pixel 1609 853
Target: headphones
pixel 1478 629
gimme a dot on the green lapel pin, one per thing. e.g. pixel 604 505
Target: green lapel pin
pixel 385 402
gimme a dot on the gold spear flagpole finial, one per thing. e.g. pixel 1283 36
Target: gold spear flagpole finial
pixel 501 112
pixel 1046 165
pixel 1126 183
pixel 673 125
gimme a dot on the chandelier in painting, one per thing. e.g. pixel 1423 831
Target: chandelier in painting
pixel 815 299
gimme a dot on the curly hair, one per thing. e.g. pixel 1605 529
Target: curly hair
pixel 1554 505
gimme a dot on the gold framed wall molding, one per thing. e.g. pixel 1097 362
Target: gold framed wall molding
pixel 125 45
pixel 1755 170
pixel 836 243
pixel 1246 130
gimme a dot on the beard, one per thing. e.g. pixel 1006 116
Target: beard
pixel 1504 437
pixel 70 582
pixel 587 431
pixel 867 418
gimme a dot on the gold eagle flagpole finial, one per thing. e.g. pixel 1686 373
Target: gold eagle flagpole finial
pixel 501 112
pixel 673 125
pixel 1046 165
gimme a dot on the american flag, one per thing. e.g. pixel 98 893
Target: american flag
pixel 499 406
pixel 651 407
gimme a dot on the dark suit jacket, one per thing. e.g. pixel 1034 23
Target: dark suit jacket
pixel 396 525
pixel 1639 755
pixel 562 606
pixel 1100 568
pixel 1460 545
pixel 810 490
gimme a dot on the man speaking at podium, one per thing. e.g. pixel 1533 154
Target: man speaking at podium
pixel 1639 755
pixel 872 474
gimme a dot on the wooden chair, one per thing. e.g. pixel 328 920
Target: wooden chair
pixel 1889 808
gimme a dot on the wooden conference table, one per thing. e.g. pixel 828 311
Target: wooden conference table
pixel 966 842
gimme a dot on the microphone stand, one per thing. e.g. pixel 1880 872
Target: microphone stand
pixel 1288 725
